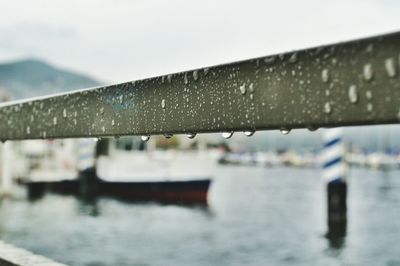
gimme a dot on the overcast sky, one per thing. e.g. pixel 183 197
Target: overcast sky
pixel 120 40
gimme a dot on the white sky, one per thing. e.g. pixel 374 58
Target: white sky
pixel 120 40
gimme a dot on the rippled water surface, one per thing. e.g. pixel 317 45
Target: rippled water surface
pixel 256 216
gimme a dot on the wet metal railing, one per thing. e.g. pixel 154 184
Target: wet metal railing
pixel 349 83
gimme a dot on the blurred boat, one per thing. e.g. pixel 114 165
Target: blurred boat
pixel 131 168
pixel 126 167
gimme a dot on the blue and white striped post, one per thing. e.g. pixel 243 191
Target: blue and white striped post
pixel 335 170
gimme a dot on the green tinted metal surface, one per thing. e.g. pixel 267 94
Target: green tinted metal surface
pixel 351 83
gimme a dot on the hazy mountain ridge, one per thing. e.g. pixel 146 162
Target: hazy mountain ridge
pixel 32 77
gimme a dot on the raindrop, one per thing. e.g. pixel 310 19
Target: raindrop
pixel 168 135
pixel 185 79
pixel 55 121
pixel 206 70
pixel 169 78
pixel 293 58
pixel 65 113
pixel 163 104
pixel 112 122
pixel 249 133
pixel 327 108
pixel 325 75
pixel 285 131
pixel 251 88
pixel 145 137
pixel 191 135
pixel 370 48
pixel 370 107
pixel 368 94
pixel 312 128
pixel 28 130
pixel 269 60
pixel 368 72
pixel 243 89
pixel 353 94
pixel 227 135
pixel 390 67
pixel 195 75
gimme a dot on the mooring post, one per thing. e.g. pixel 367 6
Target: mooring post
pixel 333 158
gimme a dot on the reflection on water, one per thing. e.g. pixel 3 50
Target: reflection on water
pixel 255 216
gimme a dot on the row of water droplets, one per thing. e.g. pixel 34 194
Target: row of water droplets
pixel 226 135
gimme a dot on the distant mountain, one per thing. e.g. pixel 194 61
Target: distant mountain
pixel 31 77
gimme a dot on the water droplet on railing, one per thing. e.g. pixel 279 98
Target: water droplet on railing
pixel 195 75
pixel 251 87
pixel 370 107
pixel 191 135
pixel 285 131
pixel 227 135
pixel 168 135
pixel 249 133
pixel 312 128
pixel 353 94
pixel 325 75
pixel 185 79
pixel 327 108
pixel 390 67
pixel 368 72
pixel 169 78
pixel 269 60
pixel 242 89
pixel 293 58
pixel 145 137
pixel 163 105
